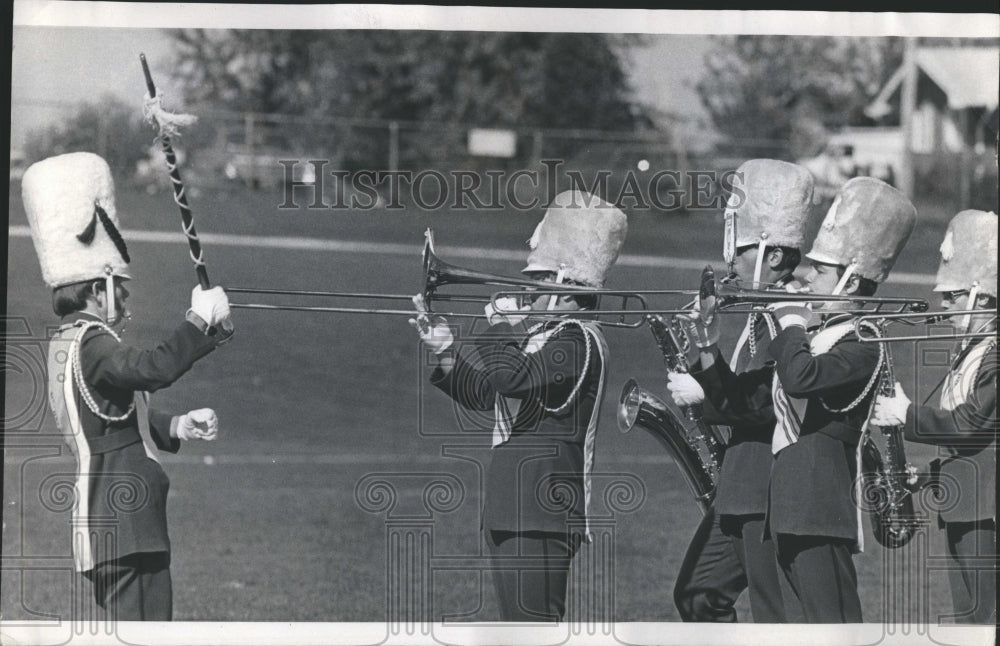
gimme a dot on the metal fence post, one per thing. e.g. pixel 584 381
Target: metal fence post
pixel 393 146
pixel 536 145
pixel 248 140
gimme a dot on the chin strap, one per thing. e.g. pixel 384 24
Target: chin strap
pixel 560 276
pixel 843 279
pixel 759 264
pixel 109 296
pixel 729 239
pixel 970 304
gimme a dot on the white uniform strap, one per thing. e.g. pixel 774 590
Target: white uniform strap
pixel 589 441
pixel 961 381
pixel 62 398
pixel 63 351
pixel 141 399
pixel 748 329
pixel 506 408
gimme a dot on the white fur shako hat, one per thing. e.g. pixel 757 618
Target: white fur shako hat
pixel 770 202
pixel 580 236
pixel 865 228
pixel 969 254
pixel 70 204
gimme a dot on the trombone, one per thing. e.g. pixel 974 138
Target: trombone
pixel 739 300
pixel 438 274
pixel 733 299
pixel 867 334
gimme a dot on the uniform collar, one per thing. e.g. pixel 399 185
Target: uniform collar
pixel 73 318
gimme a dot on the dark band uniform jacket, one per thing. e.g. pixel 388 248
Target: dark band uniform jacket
pixel 119 461
pixel 731 555
pixel 742 485
pixel 536 479
pixel 969 433
pixel 811 484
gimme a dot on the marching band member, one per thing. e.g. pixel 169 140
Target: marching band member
pixel 822 384
pixel 965 422
pixel 98 386
pixel 544 385
pixel 765 230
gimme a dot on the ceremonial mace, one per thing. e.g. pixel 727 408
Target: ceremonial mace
pixel 167 124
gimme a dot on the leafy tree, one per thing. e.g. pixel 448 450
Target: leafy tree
pixel 793 89
pixel 439 79
pixel 108 127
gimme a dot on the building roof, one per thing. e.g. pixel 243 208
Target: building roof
pixel 969 77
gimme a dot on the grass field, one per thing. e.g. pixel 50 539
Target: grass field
pixel 265 522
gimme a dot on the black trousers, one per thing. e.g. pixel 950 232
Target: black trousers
pixel 821 572
pixel 136 587
pixel 973 587
pixel 727 555
pixel 530 571
pixel 711 577
pixel 771 598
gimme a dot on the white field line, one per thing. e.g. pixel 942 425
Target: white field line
pixel 339 458
pixel 397 249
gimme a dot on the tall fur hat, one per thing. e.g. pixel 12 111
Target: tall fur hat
pixel 70 204
pixel 969 253
pixel 771 201
pixel 581 235
pixel 867 226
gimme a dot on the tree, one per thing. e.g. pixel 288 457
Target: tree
pixel 108 127
pixel 791 90
pixel 435 78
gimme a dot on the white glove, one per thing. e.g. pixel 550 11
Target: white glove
pixel 211 305
pixel 704 334
pixel 792 313
pixel 504 312
pixel 200 424
pixel 891 411
pixel 434 331
pixel 685 389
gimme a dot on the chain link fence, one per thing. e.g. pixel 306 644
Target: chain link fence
pixel 232 150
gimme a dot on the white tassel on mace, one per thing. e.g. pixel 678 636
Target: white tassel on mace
pixel 169 123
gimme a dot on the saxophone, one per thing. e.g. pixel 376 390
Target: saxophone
pixel 697 451
pixel 889 482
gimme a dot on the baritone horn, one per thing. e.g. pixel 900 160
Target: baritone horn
pixel 889 479
pixel 639 407
pixel 699 450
